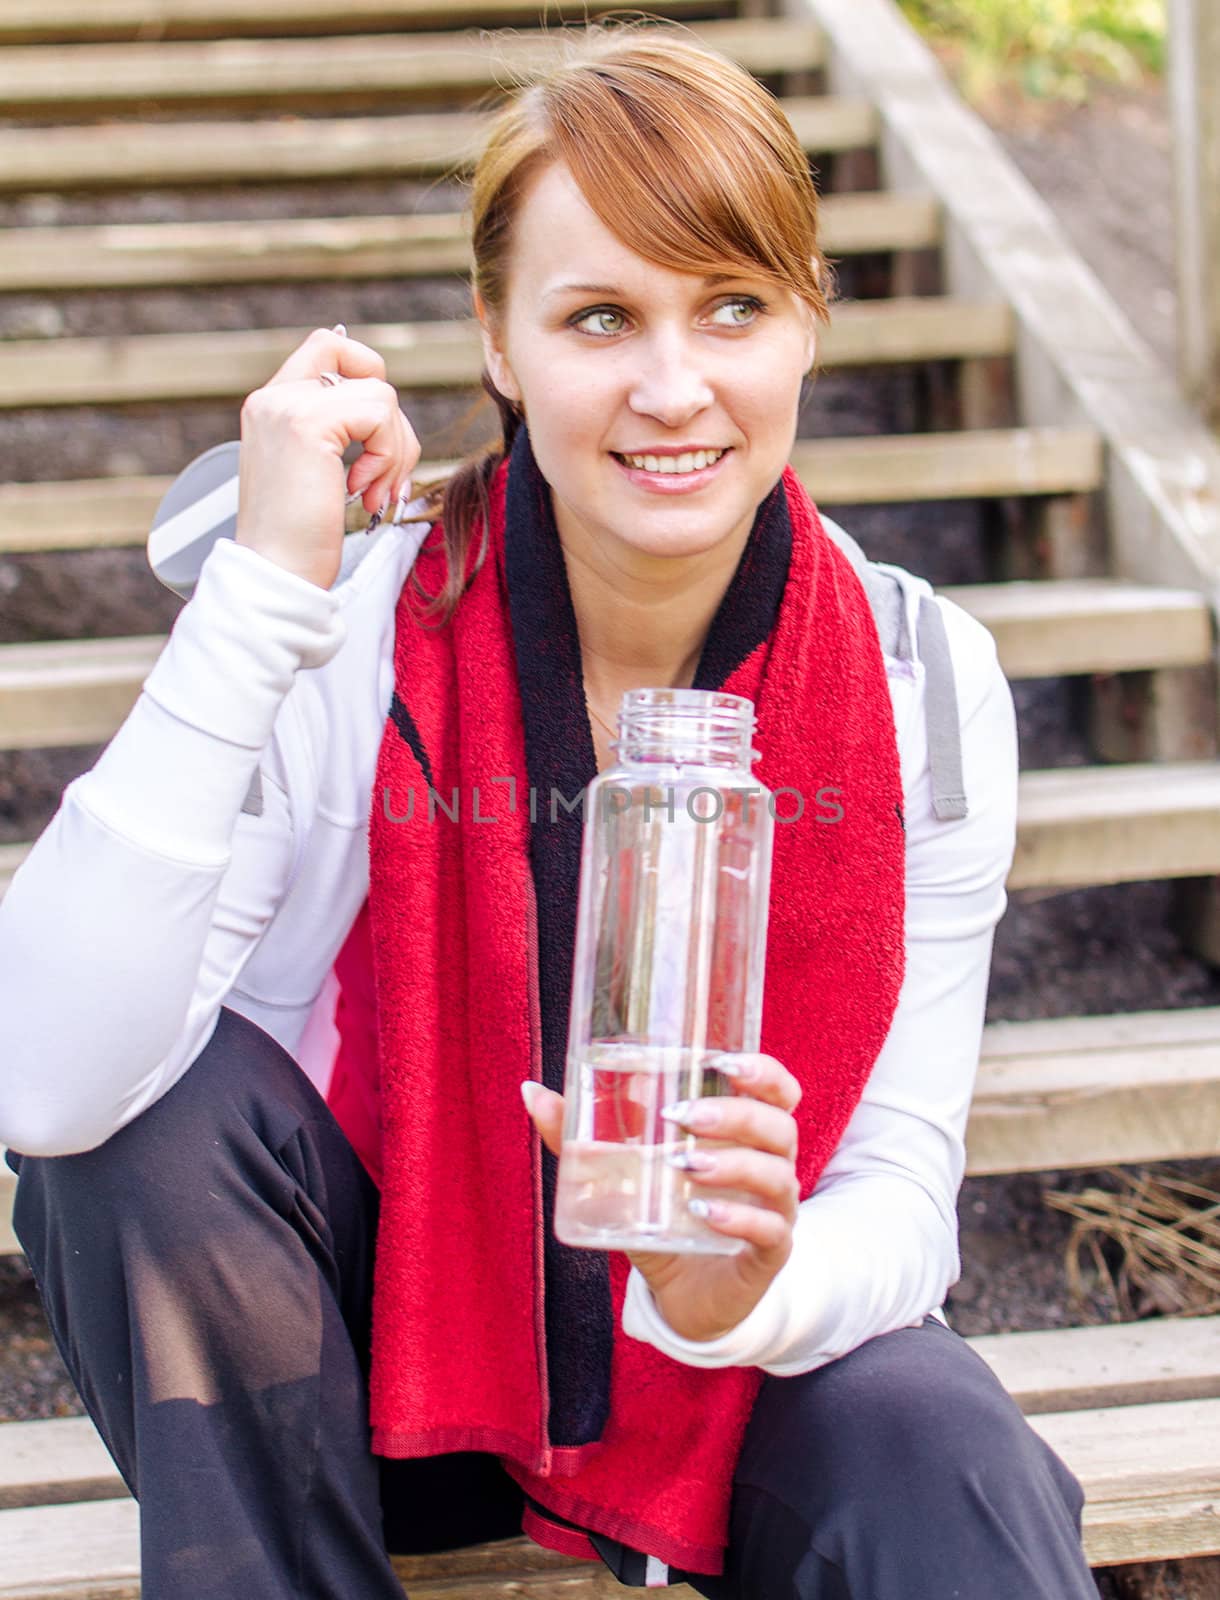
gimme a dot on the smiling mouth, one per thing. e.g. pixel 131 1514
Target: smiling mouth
pixel 694 461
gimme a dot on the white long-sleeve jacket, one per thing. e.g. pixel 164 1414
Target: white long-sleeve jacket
pixel 152 898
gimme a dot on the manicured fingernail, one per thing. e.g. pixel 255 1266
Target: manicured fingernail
pixel 341 329
pixel 378 516
pixel 734 1067
pixel 530 1090
pixel 707 1209
pixel 691 1114
pixel 725 1064
pixel 692 1161
pixel 352 498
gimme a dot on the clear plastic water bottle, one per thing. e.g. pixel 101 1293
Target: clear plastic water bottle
pixel 668 965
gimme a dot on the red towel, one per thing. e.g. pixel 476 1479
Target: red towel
pixel 488 1334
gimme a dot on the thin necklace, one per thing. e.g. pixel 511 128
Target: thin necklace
pixel 613 732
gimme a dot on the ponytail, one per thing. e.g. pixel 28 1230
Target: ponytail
pixel 463 504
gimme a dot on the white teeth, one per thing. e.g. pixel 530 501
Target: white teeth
pixel 690 462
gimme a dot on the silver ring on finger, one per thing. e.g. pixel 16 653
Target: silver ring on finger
pixel 329 379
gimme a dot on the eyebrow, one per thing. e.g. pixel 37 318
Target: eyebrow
pixel 611 288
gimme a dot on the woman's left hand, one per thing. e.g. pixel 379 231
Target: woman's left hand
pixel 751 1136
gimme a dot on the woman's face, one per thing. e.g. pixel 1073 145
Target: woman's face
pixel 612 355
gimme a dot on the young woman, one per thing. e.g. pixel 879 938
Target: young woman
pixel 233 893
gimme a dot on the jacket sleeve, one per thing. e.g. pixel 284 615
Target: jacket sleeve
pixel 875 1245
pixel 140 902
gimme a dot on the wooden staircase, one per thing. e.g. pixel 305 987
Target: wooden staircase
pixel 1105 564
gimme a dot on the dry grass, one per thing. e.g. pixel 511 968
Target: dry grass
pixel 1165 1232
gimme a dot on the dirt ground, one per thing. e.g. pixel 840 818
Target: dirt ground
pixel 1104 169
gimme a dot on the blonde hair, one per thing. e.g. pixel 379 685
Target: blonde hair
pixel 680 153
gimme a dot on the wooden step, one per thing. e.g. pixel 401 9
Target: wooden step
pixel 982 464
pixel 91 1552
pixel 55 1462
pixel 1157 1360
pixel 1085 826
pixel 1080 1092
pixel 1118 1364
pixel 8 1239
pixel 125 155
pixel 1078 826
pixel 94 513
pixel 62 1552
pixel 1091 1091
pixel 1058 628
pixel 77 692
pixel 74 692
pixel 79 79
pixel 428 355
pixel 24 21
pixel 1151 1475
pixel 284 249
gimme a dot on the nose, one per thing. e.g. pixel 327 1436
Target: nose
pixel 670 381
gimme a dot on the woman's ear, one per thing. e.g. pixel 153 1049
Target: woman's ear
pixel 496 362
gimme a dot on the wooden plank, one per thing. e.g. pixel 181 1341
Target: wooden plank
pixel 24 21
pixel 1120 1364
pixel 1058 1370
pixel 274 249
pixel 1082 826
pixel 71 1552
pixel 1120 1031
pixel 78 692
pixel 855 224
pixel 8 1193
pixel 1194 70
pixel 424 355
pixel 1079 1092
pixel 932 328
pixel 949 466
pixel 1052 629
pixel 75 78
pixel 90 1551
pixel 53 1462
pixel 71 692
pixel 94 513
pixel 286 249
pixel 124 155
pixel 1151 1475
pixel 197 366
pixel 87 514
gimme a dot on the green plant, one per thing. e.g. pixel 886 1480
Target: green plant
pixel 1051 48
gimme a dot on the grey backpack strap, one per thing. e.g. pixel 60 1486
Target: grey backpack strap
pixel 888 605
pixel 884 593
pixel 940 710
pixel 253 803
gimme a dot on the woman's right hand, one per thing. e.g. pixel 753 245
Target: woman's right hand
pixel 292 482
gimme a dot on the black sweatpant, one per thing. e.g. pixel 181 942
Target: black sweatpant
pixel 207 1271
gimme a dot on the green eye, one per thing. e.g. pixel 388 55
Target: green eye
pixel 746 304
pixel 598 311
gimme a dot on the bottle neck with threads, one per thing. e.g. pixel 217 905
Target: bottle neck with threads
pixel 699 727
